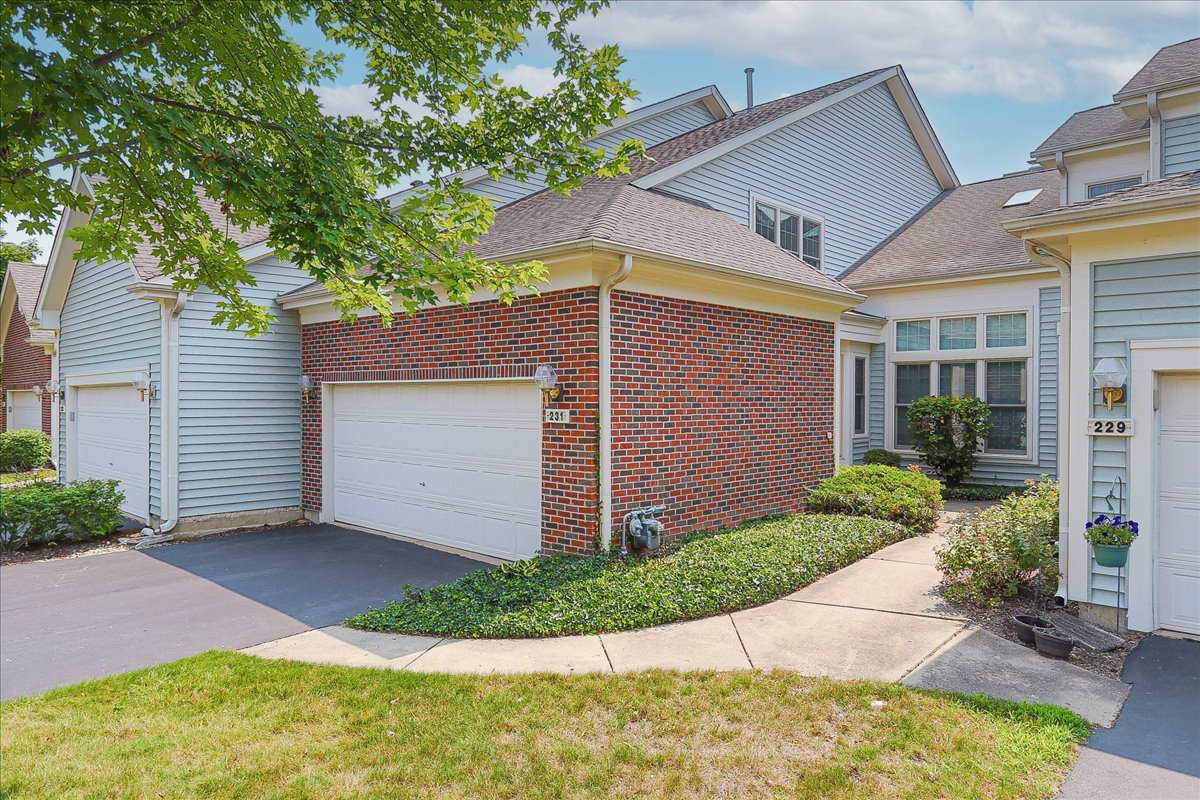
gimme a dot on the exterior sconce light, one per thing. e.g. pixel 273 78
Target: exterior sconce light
pixel 547 380
pixel 141 382
pixel 306 387
pixel 56 389
pixel 37 392
pixel 1110 376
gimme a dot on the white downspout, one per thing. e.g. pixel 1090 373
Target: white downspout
pixel 606 286
pixel 1040 254
pixel 169 414
pixel 1156 158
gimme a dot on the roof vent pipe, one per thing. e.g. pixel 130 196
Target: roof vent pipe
pixel 749 88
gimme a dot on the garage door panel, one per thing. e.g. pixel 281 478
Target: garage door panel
pixel 111 433
pixel 455 464
pixel 24 411
pixel 1178 519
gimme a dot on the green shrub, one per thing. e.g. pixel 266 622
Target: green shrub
pixel 48 512
pixel 947 432
pixel 980 493
pixel 880 456
pixel 887 493
pixel 570 594
pixel 997 549
pixel 23 450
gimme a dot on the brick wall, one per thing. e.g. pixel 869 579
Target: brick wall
pixel 481 340
pixel 721 414
pixel 24 366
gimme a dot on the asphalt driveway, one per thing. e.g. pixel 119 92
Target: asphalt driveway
pixel 71 619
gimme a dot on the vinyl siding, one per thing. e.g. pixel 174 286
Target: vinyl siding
pixel 854 164
pixel 1151 299
pixel 877 402
pixel 652 131
pixel 1181 144
pixel 239 404
pixel 104 327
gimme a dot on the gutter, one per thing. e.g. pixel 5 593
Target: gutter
pixel 1042 254
pixel 605 488
pixel 1095 213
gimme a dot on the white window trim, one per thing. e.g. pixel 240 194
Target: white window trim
pixel 1087 187
pixel 755 199
pixel 934 357
pixel 866 431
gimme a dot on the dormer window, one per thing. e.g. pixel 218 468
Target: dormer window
pixel 798 233
pixel 1107 187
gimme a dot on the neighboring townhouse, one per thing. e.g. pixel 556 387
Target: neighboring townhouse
pixel 1130 266
pixel 25 357
pixel 958 308
pixel 199 424
pixel 690 320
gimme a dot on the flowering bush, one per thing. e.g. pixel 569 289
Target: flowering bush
pixel 896 495
pixel 1109 531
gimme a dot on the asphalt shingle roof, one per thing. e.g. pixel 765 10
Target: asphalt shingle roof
pixel 147 265
pixel 1175 63
pixel 1181 185
pixel 27 279
pixel 614 210
pixel 960 232
pixel 1094 124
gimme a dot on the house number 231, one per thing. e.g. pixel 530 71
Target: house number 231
pixel 557 415
pixel 1110 427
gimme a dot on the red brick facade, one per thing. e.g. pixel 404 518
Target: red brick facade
pixel 720 414
pixel 482 340
pixel 24 367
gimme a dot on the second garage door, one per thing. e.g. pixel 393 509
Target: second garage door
pixel 112 442
pixel 457 464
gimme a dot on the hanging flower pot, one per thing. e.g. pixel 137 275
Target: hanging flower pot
pixel 1111 538
pixel 1111 555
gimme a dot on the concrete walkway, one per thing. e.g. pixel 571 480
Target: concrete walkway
pixel 877 619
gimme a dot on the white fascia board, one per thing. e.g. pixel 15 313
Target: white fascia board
pixel 992 273
pixel 1026 225
pixel 922 130
pixel 79 182
pixel 710 96
pixel 699 159
pixel 1093 146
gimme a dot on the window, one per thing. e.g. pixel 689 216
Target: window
pixel 912 335
pixel 956 333
pixel 860 396
pixel 1107 187
pixel 791 230
pixel 1006 397
pixel 912 383
pixel 986 355
pixel 1005 330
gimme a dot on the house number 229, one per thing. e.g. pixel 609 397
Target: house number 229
pixel 1110 427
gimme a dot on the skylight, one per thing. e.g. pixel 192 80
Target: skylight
pixel 1022 198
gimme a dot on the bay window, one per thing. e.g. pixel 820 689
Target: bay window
pixel 974 355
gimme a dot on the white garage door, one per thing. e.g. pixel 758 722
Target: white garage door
pixel 1179 503
pixel 24 411
pixel 112 441
pixel 458 464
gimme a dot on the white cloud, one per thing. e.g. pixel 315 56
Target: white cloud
pixel 9 231
pixel 1021 50
pixel 536 80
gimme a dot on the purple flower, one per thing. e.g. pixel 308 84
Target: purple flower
pixel 1088 525
pixel 1116 520
pixel 1101 518
pixel 1133 526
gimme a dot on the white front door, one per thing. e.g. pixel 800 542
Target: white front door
pixel 856 410
pixel 24 411
pixel 112 442
pixel 458 464
pixel 1179 503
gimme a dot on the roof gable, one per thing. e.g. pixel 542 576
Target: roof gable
pixel 1094 126
pixel 1173 65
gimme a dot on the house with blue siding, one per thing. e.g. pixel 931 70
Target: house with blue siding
pixel 200 425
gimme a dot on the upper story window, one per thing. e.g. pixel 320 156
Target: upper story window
pixel 795 232
pixel 912 335
pixel 1106 187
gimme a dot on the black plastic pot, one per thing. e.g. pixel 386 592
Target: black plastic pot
pixel 1025 623
pixel 1052 643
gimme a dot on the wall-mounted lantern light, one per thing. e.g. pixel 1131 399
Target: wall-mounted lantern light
pixel 141 382
pixel 1110 376
pixel 37 392
pixel 547 380
pixel 56 389
pixel 306 387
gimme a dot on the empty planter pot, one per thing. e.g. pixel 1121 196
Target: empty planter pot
pixel 1025 623
pixel 1052 643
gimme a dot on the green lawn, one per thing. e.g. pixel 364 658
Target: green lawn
pixel 33 475
pixel 225 725
pixel 709 574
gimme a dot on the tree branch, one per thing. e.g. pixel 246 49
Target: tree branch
pixel 148 39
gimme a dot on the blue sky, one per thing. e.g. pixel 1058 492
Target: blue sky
pixel 995 77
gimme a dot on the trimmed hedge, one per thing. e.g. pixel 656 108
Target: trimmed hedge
pixel 880 456
pixel 871 490
pixel 979 493
pixel 49 512
pixel 23 450
pixel 569 594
